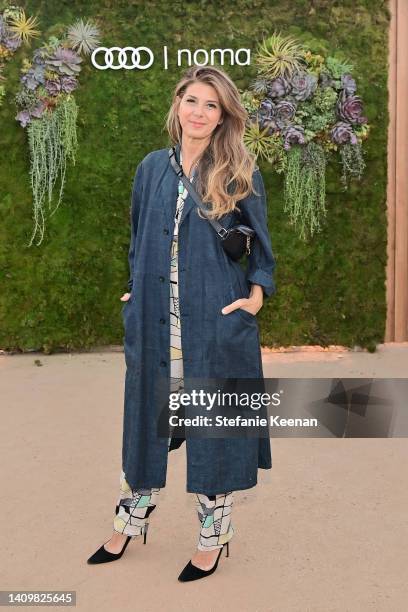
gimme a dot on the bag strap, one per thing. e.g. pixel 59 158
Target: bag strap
pixel 221 231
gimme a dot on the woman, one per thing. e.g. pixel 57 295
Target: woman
pixel 191 311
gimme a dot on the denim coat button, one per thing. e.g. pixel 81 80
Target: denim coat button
pixel 161 278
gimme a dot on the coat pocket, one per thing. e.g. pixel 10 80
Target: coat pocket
pixel 247 316
pixel 237 345
pixel 239 289
pixel 126 306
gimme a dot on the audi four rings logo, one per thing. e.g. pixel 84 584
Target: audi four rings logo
pixel 127 57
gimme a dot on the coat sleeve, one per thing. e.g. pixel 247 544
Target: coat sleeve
pixel 137 191
pixel 261 261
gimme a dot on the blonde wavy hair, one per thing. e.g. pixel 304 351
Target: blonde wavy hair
pixel 224 172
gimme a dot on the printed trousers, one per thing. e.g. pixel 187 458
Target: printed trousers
pixel 134 508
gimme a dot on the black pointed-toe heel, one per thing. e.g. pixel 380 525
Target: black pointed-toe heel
pixel 192 572
pixel 146 527
pixel 104 556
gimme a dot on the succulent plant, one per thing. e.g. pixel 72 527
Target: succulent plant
pixel 249 102
pixel 303 86
pixel 257 140
pixel 337 67
pixel 12 43
pixel 308 108
pixel 34 77
pixel 53 43
pixel 38 110
pixel 11 11
pixel 348 84
pixel 342 133
pixel 24 118
pixel 40 55
pixel 51 75
pixel 64 61
pixel 26 98
pixel 53 87
pixel 68 84
pixel 8 40
pixel 278 87
pixel 272 125
pixel 279 56
pixel 83 37
pixel 349 108
pixel 260 86
pixel 265 116
pixel 294 134
pixel 267 108
pixel 23 27
pixel 49 117
pixel 285 111
pixel 325 80
pixel 4 53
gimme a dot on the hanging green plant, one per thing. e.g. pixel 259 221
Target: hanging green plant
pixel 305 187
pixel 49 112
pixel 52 141
pixel 302 108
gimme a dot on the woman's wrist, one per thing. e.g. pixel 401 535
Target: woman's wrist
pixel 257 294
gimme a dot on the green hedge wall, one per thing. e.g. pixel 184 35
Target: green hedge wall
pixel 64 294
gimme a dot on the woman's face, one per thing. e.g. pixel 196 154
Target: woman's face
pixel 199 111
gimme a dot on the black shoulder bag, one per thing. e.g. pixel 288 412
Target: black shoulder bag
pixel 235 240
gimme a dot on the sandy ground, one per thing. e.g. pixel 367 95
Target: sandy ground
pixel 325 530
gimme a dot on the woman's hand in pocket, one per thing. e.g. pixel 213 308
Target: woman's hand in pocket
pixel 125 297
pixel 252 304
pixel 244 304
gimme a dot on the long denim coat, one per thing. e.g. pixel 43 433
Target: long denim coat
pixel 213 344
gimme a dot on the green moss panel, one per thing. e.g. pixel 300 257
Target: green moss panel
pixel 64 294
